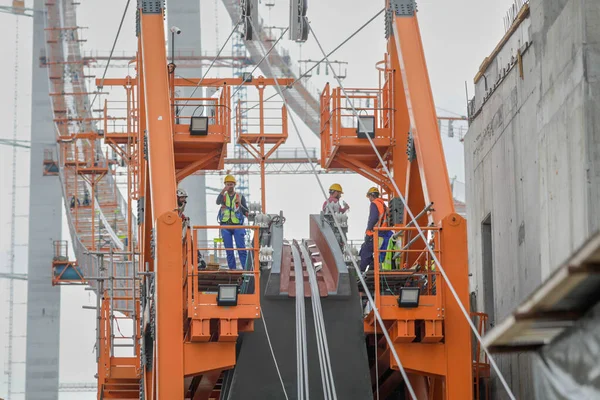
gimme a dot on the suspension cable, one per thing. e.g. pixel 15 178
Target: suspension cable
pixel 110 55
pixel 262 316
pixel 291 85
pixel 319 321
pixel 209 67
pixel 260 62
pixel 413 219
pixel 301 344
pixel 357 269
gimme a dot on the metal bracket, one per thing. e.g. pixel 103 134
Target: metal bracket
pixel 153 243
pixel 389 20
pixel 410 148
pixel 140 210
pixel 145 145
pixel 137 22
pixel 404 8
pixel 151 6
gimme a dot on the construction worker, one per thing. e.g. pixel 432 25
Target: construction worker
pixel 335 195
pixel 377 218
pixel 181 202
pixel 232 212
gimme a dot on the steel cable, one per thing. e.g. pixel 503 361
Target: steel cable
pixel 262 317
pixel 355 265
pixel 413 219
pixel 323 59
pixel 111 54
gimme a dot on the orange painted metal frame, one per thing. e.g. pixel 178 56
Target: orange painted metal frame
pixel 439 362
pixel 255 142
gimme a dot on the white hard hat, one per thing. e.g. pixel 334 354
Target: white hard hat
pixel 181 193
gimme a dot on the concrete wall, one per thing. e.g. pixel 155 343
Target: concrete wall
pixel 45 223
pixel 532 156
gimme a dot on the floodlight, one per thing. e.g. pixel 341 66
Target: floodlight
pixel 227 295
pixel 246 77
pixel 365 125
pixel 199 126
pixel 409 297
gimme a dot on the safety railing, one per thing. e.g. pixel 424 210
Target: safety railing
pixel 406 261
pixel 268 117
pixel 216 109
pixel 119 116
pixel 61 250
pixel 203 279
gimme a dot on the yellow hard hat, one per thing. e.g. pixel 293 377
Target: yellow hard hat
pixel 229 178
pixel 337 187
pixel 372 190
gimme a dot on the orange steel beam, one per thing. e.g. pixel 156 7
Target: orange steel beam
pixel 422 116
pixel 168 356
pixel 260 81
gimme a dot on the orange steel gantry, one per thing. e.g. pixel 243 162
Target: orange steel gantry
pixel 184 340
pixel 433 339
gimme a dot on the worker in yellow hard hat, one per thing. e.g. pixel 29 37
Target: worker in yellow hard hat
pixel 333 203
pixel 377 218
pixel 233 211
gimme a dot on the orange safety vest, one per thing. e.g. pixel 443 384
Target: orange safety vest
pixel 381 208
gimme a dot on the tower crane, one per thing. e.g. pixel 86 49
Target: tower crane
pixel 201 332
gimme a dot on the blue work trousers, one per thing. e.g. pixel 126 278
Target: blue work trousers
pixel 228 236
pixel 366 250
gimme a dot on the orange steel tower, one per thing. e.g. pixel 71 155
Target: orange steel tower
pixel 432 339
pixel 188 319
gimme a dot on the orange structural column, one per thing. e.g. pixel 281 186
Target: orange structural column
pixel 155 105
pixel 422 116
pixel 169 308
pixel 161 161
pixel 459 381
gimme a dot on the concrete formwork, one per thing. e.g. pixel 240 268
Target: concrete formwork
pixel 532 159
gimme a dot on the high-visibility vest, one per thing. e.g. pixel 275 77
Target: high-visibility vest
pixel 381 208
pixel 230 209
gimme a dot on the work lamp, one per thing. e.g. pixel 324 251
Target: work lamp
pixel 365 126
pixel 409 297
pixel 199 126
pixel 227 295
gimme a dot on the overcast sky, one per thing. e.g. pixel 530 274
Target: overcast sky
pixel 457 35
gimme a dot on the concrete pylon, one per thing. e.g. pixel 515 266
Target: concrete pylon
pixel 45 223
pixel 185 14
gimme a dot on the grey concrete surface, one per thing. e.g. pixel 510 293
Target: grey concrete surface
pixel 45 222
pixel 532 160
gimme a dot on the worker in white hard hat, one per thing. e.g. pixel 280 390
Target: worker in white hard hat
pixel 232 212
pixel 181 202
pixel 333 203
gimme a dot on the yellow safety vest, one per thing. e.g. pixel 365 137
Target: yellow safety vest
pixel 230 209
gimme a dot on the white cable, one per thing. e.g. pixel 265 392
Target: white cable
pixel 209 67
pixel 376 363
pixel 316 298
pixel 389 175
pixel 260 62
pixel 330 53
pixel 262 316
pixel 320 350
pixel 301 346
pixel 357 269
